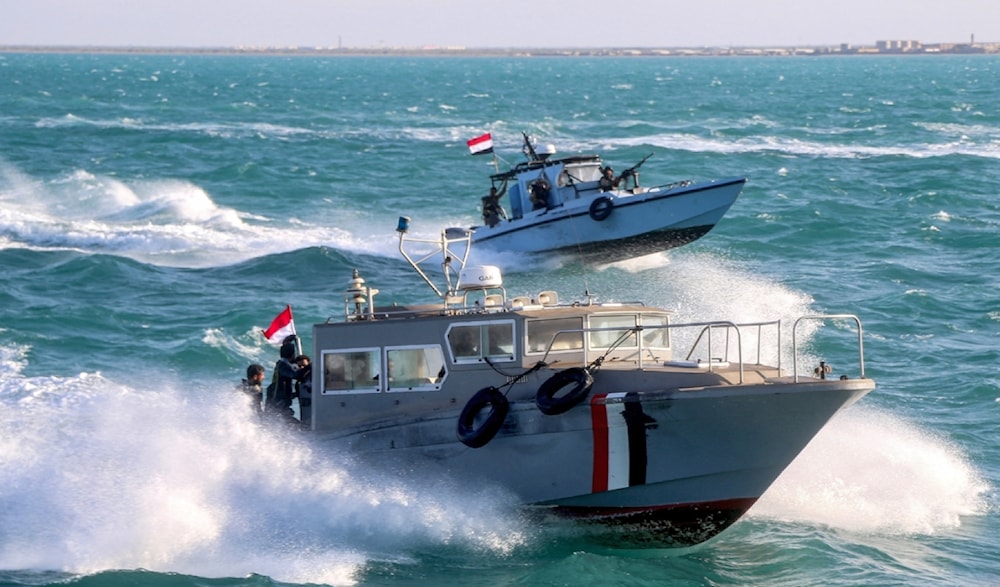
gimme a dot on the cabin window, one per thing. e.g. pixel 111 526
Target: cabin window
pixel 414 368
pixel 351 371
pixel 604 339
pixel 655 334
pixel 472 342
pixel 542 332
pixel 579 173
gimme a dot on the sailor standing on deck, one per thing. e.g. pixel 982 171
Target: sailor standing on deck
pixel 251 387
pixel 492 210
pixel 278 403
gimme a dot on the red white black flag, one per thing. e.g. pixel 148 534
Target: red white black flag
pixel 481 144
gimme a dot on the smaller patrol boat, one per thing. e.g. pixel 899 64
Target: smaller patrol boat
pixel 564 205
pixel 584 410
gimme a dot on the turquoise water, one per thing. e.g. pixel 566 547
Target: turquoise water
pixel 158 210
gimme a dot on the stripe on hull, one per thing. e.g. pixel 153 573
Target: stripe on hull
pixel 619 441
pixel 620 461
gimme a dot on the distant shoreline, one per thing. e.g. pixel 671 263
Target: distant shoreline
pixel 881 48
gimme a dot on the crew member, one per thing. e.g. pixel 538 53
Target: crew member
pixel 608 179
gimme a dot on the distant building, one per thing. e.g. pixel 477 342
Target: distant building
pixel 899 46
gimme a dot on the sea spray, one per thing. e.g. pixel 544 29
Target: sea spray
pixel 102 475
pixel 870 471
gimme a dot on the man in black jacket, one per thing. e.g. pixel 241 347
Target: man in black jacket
pixel 278 403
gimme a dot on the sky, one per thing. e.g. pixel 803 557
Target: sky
pixel 484 24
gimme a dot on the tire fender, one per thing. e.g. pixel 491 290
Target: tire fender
pixel 601 208
pixel 475 436
pixel 546 399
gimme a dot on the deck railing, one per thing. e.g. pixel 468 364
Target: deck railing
pixel 706 339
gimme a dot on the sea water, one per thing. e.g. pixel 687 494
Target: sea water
pixel 159 210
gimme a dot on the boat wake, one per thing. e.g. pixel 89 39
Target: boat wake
pixel 97 475
pixel 870 471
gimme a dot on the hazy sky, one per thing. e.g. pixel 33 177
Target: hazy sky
pixel 480 23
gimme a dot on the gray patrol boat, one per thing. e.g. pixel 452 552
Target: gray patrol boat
pixel 584 410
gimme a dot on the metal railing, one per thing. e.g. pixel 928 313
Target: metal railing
pixel 707 328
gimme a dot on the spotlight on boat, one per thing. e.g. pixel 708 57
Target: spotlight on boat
pixel 403 226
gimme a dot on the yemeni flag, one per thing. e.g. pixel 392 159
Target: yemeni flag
pixel 481 145
pixel 280 327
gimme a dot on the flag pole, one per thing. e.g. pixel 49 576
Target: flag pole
pixel 298 344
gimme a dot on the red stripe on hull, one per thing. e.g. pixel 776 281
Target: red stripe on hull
pixel 599 425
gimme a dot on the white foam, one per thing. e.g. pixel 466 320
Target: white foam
pixel 640 264
pixel 935 145
pixel 166 222
pixel 97 475
pixel 870 471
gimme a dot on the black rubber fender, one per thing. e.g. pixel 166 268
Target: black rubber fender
pixel 473 436
pixel 601 208
pixel 546 398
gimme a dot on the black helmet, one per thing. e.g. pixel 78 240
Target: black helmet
pixel 288 347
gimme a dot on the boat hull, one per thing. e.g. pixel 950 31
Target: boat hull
pixel 638 224
pixel 679 466
pixel 674 526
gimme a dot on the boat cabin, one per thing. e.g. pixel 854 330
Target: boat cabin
pixel 549 183
pixel 382 365
pixel 377 365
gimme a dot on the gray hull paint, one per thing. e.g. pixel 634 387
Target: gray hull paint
pixel 707 446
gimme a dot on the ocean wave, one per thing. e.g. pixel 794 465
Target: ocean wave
pixel 213 129
pixel 785 145
pixel 164 222
pixel 129 492
pixel 963 140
